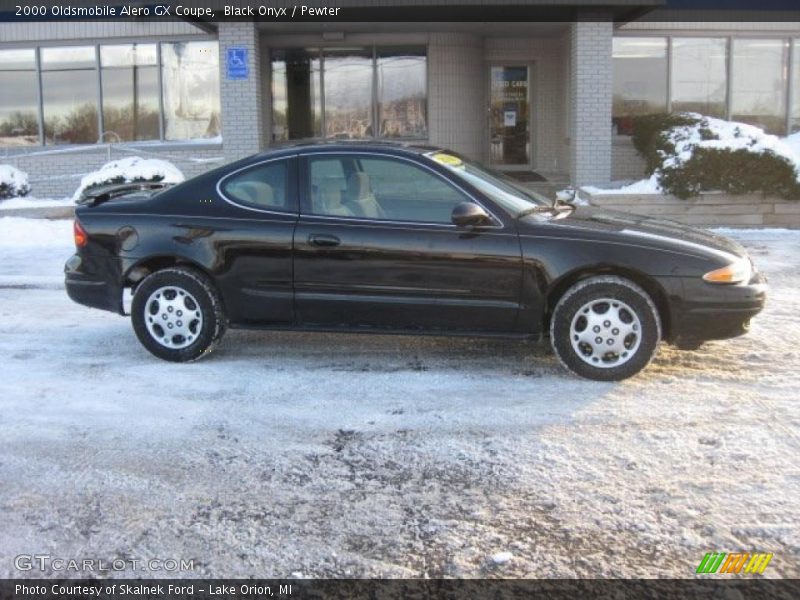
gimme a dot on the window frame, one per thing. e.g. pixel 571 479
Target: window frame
pixel 292 207
pixel 159 86
pixel 790 92
pixel 786 51
pixel 374 49
pixel 37 79
pixel 304 179
pixel 38 46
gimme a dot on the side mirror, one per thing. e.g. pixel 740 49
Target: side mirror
pixel 469 214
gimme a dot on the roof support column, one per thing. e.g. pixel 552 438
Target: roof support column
pixel 241 96
pixel 591 82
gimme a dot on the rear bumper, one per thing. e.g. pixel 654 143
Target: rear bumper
pixel 713 312
pixel 91 282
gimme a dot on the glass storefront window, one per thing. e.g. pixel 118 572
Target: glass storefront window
pixel 128 77
pixel 640 79
pixel 402 103
pixel 759 83
pixel 69 94
pixel 296 98
pixel 19 120
pixel 348 93
pixel 130 92
pixel 699 75
pixel 190 76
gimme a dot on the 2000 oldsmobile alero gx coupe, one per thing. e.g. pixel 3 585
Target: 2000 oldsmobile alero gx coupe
pixel 409 239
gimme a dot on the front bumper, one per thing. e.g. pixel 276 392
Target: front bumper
pixel 92 282
pixel 706 311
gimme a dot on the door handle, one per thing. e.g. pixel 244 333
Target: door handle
pixel 320 239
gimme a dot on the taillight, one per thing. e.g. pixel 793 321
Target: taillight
pixel 80 235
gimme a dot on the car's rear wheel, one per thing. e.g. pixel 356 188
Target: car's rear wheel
pixel 605 328
pixel 177 314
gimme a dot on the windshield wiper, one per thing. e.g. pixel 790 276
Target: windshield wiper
pixel 534 209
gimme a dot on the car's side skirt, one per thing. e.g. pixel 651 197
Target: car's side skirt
pixel 510 335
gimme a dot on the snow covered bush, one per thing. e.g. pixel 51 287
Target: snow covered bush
pixel 688 153
pixel 130 170
pixel 13 182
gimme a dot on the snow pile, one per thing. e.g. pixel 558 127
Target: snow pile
pixel 718 134
pixel 713 134
pixel 793 143
pixel 131 169
pixel 13 182
pixel 643 186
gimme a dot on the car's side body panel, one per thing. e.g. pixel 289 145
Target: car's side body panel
pixel 390 275
pixel 397 276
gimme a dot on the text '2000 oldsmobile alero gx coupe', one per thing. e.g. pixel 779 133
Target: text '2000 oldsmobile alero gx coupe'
pixel 389 238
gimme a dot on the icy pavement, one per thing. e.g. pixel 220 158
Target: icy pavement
pixel 342 455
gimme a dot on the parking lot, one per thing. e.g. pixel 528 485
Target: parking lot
pixel 313 455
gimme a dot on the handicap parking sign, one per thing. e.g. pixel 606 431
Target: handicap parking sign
pixel 237 63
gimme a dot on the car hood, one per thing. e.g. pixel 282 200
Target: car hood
pixel 639 230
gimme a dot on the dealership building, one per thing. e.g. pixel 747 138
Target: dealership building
pixel 550 93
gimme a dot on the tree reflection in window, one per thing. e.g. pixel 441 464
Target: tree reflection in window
pixel 19 122
pixel 69 94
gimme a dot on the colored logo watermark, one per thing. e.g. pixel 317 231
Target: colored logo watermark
pixel 737 562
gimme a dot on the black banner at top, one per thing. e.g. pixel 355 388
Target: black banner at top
pixel 387 11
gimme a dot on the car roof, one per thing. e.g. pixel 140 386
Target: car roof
pixel 311 146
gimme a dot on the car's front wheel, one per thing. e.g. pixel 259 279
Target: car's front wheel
pixel 177 314
pixel 605 328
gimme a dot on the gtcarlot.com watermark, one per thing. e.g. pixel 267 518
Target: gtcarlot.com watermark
pixel 48 563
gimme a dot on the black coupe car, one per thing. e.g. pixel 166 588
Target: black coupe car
pixel 407 239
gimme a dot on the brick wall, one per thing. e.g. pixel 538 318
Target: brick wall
pixel 456 93
pixel 590 101
pixel 626 162
pixel 242 99
pixel 55 172
pixel 708 210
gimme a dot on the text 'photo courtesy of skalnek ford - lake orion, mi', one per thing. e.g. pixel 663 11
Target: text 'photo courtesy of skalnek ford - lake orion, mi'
pixel 399 299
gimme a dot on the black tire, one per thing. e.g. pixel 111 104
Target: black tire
pixel 197 293
pixel 592 360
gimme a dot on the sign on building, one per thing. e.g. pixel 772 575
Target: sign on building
pixel 237 63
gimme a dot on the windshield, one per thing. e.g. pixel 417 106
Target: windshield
pixel 506 192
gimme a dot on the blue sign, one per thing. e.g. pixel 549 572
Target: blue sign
pixel 237 63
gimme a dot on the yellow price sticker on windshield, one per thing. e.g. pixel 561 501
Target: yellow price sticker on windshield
pixel 448 159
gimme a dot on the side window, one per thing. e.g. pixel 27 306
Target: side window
pixel 264 187
pixel 381 188
pixel 328 183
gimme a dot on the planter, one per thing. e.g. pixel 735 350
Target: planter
pixel 712 209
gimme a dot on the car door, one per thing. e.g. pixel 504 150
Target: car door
pixel 375 247
pixel 252 249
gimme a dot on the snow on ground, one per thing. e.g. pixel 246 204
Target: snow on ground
pixel 32 202
pixel 132 168
pixel 347 455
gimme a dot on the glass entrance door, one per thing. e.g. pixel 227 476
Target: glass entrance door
pixel 509 116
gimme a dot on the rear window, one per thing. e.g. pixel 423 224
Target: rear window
pixel 264 187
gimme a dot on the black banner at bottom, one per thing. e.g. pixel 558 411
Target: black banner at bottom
pixel 407 589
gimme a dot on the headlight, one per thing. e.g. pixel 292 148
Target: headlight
pixel 737 272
